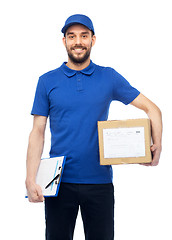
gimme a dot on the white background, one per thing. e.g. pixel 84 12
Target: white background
pixel 134 37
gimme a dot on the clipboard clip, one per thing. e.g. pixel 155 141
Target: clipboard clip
pixel 52 181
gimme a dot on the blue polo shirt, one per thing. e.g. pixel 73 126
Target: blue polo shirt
pixel 75 101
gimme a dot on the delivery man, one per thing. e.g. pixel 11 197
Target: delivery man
pixel 75 96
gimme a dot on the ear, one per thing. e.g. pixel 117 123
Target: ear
pixel 93 40
pixel 64 41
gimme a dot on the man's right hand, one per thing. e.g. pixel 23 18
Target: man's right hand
pixel 34 192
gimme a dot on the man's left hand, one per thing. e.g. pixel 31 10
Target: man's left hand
pixel 156 151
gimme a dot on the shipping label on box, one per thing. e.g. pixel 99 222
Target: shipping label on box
pixel 124 141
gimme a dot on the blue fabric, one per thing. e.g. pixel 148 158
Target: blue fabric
pixel 78 19
pixel 75 101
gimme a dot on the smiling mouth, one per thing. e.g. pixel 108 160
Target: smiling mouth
pixel 78 49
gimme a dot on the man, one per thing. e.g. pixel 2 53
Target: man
pixel 75 96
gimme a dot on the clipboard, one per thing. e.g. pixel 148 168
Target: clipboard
pixel 49 175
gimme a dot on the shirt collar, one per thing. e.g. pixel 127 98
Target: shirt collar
pixel 70 72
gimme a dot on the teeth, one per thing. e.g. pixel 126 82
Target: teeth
pixel 78 50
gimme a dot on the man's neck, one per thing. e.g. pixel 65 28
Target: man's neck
pixel 78 66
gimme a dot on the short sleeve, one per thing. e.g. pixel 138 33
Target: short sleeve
pixel 41 102
pixel 122 90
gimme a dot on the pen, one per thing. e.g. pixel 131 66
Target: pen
pixel 52 181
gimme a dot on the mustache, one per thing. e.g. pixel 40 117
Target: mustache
pixel 78 46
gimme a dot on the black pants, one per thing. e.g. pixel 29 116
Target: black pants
pixel 96 203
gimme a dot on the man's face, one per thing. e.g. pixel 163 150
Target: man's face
pixel 78 41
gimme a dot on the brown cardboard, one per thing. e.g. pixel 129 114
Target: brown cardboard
pixel 125 125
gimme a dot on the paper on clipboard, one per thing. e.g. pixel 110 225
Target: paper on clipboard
pixel 48 169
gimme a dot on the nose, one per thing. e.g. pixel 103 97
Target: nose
pixel 78 40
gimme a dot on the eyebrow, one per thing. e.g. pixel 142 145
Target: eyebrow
pixel 85 33
pixel 70 33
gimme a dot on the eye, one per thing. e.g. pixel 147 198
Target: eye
pixel 71 36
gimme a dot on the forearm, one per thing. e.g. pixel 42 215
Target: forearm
pixel 35 148
pixel 153 113
pixel 155 116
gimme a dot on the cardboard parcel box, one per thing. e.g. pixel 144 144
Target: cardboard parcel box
pixel 124 141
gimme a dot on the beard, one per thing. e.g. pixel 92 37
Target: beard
pixel 78 58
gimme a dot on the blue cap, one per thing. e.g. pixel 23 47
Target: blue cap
pixel 78 19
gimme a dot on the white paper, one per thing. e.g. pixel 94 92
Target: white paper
pixel 48 169
pixel 124 142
